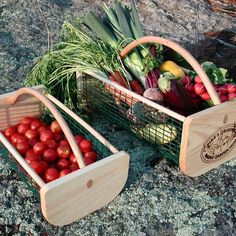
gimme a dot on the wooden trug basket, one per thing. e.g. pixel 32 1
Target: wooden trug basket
pixel 205 140
pixel 79 193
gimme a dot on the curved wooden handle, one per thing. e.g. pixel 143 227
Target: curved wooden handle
pixel 183 52
pixel 57 116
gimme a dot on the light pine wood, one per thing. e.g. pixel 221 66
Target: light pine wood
pixel 200 129
pixel 138 97
pixel 65 128
pixel 183 52
pixel 25 106
pixel 76 195
pixel 84 124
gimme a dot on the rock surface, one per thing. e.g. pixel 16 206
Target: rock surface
pixel 158 199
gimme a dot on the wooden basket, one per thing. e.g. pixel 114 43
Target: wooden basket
pixel 204 140
pixel 79 193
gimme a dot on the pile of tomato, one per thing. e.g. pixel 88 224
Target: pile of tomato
pixel 45 148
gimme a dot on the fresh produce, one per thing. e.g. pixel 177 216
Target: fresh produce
pixel 49 156
pixel 154 94
pixel 161 134
pixel 173 68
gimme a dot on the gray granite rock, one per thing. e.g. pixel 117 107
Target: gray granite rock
pixel 157 199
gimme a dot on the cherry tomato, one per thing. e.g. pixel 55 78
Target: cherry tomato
pixel 45 165
pixel 31 134
pixel 22 147
pixel 18 138
pixel 50 155
pixel 31 153
pixel 63 164
pixel 63 151
pixel 92 155
pixel 46 135
pixel 29 159
pixel 32 142
pixel 37 167
pixel 10 131
pixel 64 142
pixel 55 127
pixel 22 128
pixel 78 139
pixel 85 146
pixel 35 124
pixel 26 120
pixel 41 128
pixel 88 161
pixel 73 159
pixel 50 143
pixel 51 174
pixel 64 172
pixel 39 147
pixel 58 137
pixel 73 167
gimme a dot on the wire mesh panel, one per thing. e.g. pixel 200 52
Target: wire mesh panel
pixel 129 113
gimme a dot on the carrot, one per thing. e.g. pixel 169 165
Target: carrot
pixel 136 87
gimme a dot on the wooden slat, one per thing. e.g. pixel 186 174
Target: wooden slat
pixel 208 139
pixel 69 198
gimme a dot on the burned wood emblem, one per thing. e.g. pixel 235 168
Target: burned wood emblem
pixel 219 143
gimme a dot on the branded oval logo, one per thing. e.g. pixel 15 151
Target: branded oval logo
pixel 219 143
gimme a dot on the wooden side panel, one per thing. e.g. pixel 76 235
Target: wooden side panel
pixel 25 106
pixel 76 195
pixel 208 139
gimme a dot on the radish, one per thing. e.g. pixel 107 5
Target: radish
pixel 205 96
pixel 232 96
pixel 199 88
pixel 186 80
pixel 231 88
pixel 197 79
pixel 189 88
pixel 216 87
pixel 224 98
pixel 223 89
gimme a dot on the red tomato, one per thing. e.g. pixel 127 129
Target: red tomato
pixel 51 174
pixel 31 134
pixel 31 153
pixel 22 147
pixel 63 151
pixel 18 138
pixel 37 167
pixel 41 128
pixel 63 164
pixel 65 172
pixel 85 146
pixel 22 128
pixel 32 142
pixel 92 155
pixel 46 135
pixel 39 148
pixel 55 127
pixel 10 131
pixel 26 120
pixel 35 124
pixel 73 167
pixel 78 139
pixel 50 155
pixel 58 137
pixel 88 161
pixel 50 143
pixel 29 159
pixel 73 159
pixel 64 142
pixel 45 165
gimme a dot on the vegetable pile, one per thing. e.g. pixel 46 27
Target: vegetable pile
pixel 45 148
pixel 92 45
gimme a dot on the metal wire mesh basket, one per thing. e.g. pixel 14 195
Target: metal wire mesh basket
pixel 193 142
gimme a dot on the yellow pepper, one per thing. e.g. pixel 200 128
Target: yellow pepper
pixel 170 66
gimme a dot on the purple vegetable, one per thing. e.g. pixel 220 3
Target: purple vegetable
pixel 151 78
